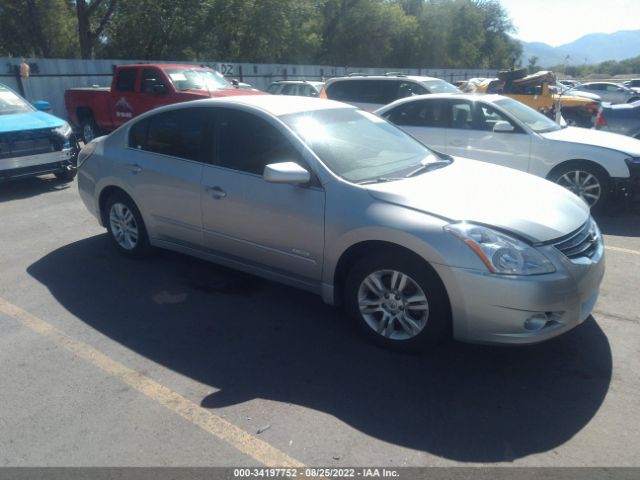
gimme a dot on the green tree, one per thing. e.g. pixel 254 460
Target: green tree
pixel 37 28
pixel 92 17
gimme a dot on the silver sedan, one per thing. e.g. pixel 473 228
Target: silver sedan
pixel 331 199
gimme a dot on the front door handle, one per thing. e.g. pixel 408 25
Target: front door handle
pixel 134 168
pixel 216 192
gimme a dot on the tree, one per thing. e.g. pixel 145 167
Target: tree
pixel 37 28
pixel 533 64
pixel 92 19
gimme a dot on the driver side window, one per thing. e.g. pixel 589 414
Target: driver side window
pixel 489 116
pixel 248 143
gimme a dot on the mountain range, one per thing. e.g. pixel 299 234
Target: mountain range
pixel 592 48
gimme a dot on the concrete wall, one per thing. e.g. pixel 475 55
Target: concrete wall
pixel 51 77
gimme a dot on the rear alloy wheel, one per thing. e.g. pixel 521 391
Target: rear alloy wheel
pixel 398 302
pixel 586 182
pixel 125 226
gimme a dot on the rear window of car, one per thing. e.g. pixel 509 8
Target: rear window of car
pixel 126 80
pixel 439 86
pixel 364 91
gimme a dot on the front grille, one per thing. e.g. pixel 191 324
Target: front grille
pixel 583 243
pixel 28 142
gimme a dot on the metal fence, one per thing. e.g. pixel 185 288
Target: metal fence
pixel 49 78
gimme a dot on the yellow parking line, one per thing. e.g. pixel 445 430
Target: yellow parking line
pixel 622 250
pixel 213 424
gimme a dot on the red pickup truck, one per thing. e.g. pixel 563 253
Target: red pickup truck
pixel 138 88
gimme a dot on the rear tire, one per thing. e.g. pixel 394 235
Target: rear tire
pixel 125 226
pixel 398 302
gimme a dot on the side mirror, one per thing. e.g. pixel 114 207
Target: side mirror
pixel 159 89
pixel 286 172
pixel 503 127
pixel 235 82
pixel 42 105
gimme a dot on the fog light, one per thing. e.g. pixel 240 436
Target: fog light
pixel 536 322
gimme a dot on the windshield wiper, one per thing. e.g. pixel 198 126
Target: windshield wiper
pixel 427 167
pixel 380 180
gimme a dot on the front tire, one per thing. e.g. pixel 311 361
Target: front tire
pixel 586 181
pixel 125 226
pixel 398 301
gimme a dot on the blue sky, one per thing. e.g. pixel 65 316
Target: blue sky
pixel 557 22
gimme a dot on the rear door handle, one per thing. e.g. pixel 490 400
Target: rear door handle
pixel 216 192
pixel 134 168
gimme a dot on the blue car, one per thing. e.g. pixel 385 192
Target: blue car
pixel 33 142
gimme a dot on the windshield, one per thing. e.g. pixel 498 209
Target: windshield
pixel 12 103
pixel 439 86
pixel 358 146
pixel 527 115
pixel 197 79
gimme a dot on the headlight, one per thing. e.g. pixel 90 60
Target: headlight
pixel 633 161
pixel 63 130
pixel 501 253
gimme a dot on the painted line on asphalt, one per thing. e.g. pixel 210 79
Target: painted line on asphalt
pixel 226 431
pixel 622 250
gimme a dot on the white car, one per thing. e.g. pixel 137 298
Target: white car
pixel 500 130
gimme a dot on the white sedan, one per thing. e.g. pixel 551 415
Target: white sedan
pixel 500 130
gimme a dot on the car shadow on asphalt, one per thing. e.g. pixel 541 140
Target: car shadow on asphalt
pixel 31 187
pixel 250 338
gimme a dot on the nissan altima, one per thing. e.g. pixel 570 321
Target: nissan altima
pixel 317 194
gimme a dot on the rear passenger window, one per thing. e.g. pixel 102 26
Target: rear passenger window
pixel 126 81
pixel 418 114
pixel 138 134
pixel 249 143
pixel 179 133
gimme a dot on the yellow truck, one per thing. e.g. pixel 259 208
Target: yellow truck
pixel 539 91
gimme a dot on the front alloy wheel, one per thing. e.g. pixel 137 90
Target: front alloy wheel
pixel 397 300
pixel 584 184
pixel 393 304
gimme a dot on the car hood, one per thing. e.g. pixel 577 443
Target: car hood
pixel 597 138
pixel 469 190
pixel 17 122
pixel 580 93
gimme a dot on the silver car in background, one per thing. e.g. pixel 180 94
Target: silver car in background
pixel 334 200
pixel 610 92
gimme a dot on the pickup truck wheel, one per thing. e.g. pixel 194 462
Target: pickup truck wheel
pixel 125 225
pixel 397 302
pixel 588 182
pixel 89 130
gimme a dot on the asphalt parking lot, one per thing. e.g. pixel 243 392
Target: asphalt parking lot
pixel 107 361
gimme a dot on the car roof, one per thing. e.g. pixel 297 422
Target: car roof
pixel 276 105
pixel 312 82
pixel 487 97
pixel 416 78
